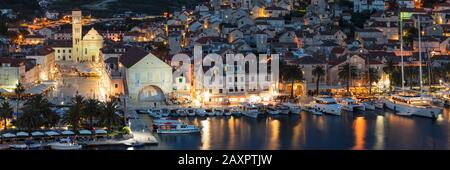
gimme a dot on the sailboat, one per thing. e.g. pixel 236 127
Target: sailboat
pixel 409 104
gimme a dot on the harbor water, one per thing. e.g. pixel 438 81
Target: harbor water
pixel 372 130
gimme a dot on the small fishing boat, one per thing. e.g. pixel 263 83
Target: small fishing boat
pixel 235 111
pixel 293 108
pixel 283 109
pixel 226 112
pixel 250 110
pixel 218 112
pixel 272 110
pixel 200 112
pixel 181 112
pixel 209 112
pixel 190 112
pixel 18 147
pixel 165 112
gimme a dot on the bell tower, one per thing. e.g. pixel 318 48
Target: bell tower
pixel 77 50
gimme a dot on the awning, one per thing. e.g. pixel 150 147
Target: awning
pixel 100 131
pixel 52 133
pixel 39 89
pixel 68 132
pixel 8 135
pixel 2 90
pixel 22 134
pixel 85 132
pixel 37 134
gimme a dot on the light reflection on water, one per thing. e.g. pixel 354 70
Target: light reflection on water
pixel 369 130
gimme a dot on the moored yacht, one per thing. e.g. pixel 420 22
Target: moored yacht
pixel 164 112
pixel 411 104
pixel 226 112
pixel 250 110
pixel 272 110
pixel 218 112
pixel 351 105
pixel 293 108
pixel 209 112
pixel 200 112
pixel 65 144
pixel 190 112
pixel 283 109
pixel 178 128
pixel 235 111
pixel 327 104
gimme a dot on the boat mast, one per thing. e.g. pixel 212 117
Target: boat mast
pixel 420 56
pixel 401 47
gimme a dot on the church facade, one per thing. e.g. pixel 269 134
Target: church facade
pixel 84 48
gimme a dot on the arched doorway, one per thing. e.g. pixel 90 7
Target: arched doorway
pixel 151 93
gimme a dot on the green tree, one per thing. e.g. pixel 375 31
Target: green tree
pixel 37 112
pixel 91 111
pixel 347 72
pixel 109 116
pixel 389 69
pixel 19 90
pixel 373 77
pixel 74 115
pixel 290 73
pixel 318 71
pixel 6 112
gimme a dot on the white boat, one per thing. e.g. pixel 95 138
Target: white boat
pixel 250 110
pixel 272 110
pixel 235 111
pixel 200 112
pixel 35 146
pixel 209 112
pixel 369 105
pixel 283 109
pixel 164 121
pixel 226 112
pixel 181 112
pixel 164 112
pixel 154 113
pixel 313 111
pixel 379 104
pixel 179 128
pixel 65 144
pixel 293 108
pixel 218 112
pixel 326 104
pixel 190 112
pixel 410 104
pixel 18 147
pixel 445 96
pixel 351 105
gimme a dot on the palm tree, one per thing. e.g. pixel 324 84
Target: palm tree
pixel 74 116
pixel 373 77
pixel 37 112
pixel 19 90
pixel 318 71
pixel 347 72
pixel 91 111
pixel 6 112
pixel 389 69
pixel 109 116
pixel 290 73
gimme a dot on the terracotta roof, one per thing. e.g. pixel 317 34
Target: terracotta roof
pixel 14 62
pixel 132 56
pixel 41 51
